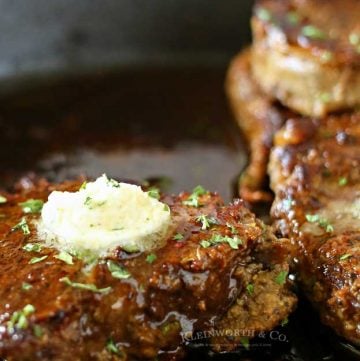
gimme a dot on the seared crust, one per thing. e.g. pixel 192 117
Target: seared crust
pixel 186 288
pixel 259 116
pixel 315 174
pixel 307 53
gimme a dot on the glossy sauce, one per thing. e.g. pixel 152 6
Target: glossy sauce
pixel 169 126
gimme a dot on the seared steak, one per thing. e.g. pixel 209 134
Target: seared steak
pixel 259 116
pixel 306 53
pixel 51 309
pixel 315 174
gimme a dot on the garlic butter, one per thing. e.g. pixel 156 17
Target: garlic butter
pixel 103 215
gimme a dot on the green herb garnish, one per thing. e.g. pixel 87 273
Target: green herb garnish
pixel 326 56
pixel 193 199
pixel 250 288
pixel 245 342
pixel 342 181
pixel 313 32
pixel 354 39
pixel 284 322
pixel 113 183
pixel 37 259
pixel 19 318
pixel 32 206
pixel 232 228
pixel 65 257
pixel 2 200
pixel 150 258
pixel 325 97
pixel 154 193
pixel 38 331
pixel 263 14
pixel 84 286
pixel 178 237
pixel 22 225
pixel 32 247
pixel 233 242
pixel 117 271
pixel 281 278
pixel 83 186
pixel 321 222
pixel 293 18
pixel 26 286
pixel 205 244
pixel 345 256
pixel 205 221
pixel 112 348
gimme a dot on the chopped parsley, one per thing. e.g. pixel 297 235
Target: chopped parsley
pixel 324 97
pixel 32 247
pixel 245 342
pixel 345 256
pixel 19 318
pixel 154 193
pixel 232 228
pixel 83 186
pixel 284 322
pixel 293 18
pixel 178 237
pixel 23 226
pixel 354 39
pixel 342 181
pixel 2 200
pixel 205 221
pixel 113 183
pixel 26 286
pixel 326 56
pixel 263 14
pixel 38 331
pixel 90 203
pixel 32 206
pixel 311 31
pixel 65 257
pixel 321 222
pixel 37 259
pixel 280 279
pixel 193 199
pixel 117 271
pixel 250 288
pixel 112 348
pixel 151 258
pixel 233 242
pixel 166 208
pixel 84 286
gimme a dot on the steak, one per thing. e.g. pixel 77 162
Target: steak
pixel 315 174
pixel 259 116
pixel 144 303
pixel 306 53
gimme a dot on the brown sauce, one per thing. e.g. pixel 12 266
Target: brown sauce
pixel 171 126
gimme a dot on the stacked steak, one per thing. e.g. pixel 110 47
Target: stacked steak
pixel 294 94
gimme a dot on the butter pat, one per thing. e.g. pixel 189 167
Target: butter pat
pixel 102 216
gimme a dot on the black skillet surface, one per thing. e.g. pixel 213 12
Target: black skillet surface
pixel 171 127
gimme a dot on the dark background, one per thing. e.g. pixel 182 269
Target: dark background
pixel 57 36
